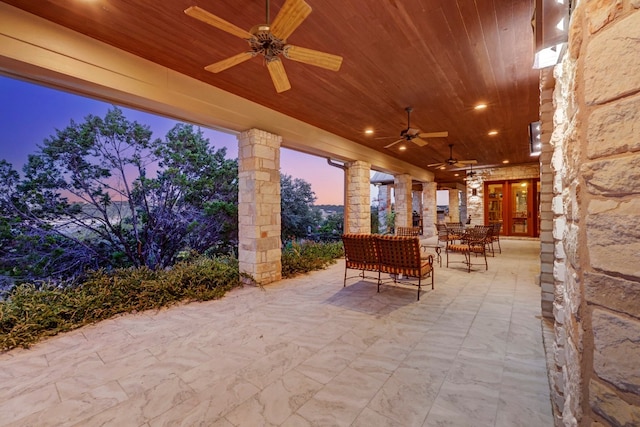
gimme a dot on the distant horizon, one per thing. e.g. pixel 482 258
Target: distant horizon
pixel 32 113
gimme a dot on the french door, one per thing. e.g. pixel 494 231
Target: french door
pixel 514 203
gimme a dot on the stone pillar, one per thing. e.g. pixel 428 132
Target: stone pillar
pixel 596 202
pixel 259 244
pixel 402 184
pixel 454 205
pixel 429 208
pixel 547 242
pixel 384 206
pixel 416 201
pixel 358 208
pixel 416 204
pixel 463 205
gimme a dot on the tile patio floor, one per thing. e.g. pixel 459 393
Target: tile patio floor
pixel 303 352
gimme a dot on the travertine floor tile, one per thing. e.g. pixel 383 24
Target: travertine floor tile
pixel 303 352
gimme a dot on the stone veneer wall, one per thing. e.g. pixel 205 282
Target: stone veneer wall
pixel 358 209
pixel 403 203
pixel 596 162
pixel 548 243
pixel 259 251
pixel 429 208
pixel 475 206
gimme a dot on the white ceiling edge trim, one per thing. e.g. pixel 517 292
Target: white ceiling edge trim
pixel 38 50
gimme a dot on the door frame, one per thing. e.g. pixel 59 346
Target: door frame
pixel 533 201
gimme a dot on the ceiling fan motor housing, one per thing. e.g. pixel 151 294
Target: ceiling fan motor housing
pixel 263 42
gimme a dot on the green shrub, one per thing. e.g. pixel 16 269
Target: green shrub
pixel 31 313
pixel 307 256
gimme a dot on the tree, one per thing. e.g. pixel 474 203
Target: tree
pixel 334 223
pixel 296 207
pixel 192 203
pixel 105 188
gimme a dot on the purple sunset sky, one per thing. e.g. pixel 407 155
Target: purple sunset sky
pixel 29 113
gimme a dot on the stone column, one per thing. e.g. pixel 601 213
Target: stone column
pixel 259 244
pixel 384 206
pixel 402 184
pixel 595 205
pixel 416 204
pixel 463 205
pixel 454 205
pixel 429 208
pixel 547 243
pixel 358 208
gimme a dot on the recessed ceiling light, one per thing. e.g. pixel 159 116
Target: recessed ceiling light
pixel 492 132
pixel 368 131
pixel 442 167
pixel 480 107
pixel 402 147
pixel 505 161
pixel 456 174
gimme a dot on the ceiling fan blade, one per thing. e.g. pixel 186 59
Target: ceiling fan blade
pixel 394 143
pixel 278 75
pixel 313 57
pixel 464 163
pixel 435 165
pixel 229 62
pixel 434 134
pixel 419 141
pixel 291 15
pixel 211 19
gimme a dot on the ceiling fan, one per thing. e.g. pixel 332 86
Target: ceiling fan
pixel 270 41
pixel 414 135
pixel 470 176
pixel 452 162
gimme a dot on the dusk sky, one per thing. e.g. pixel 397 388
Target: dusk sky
pixel 30 113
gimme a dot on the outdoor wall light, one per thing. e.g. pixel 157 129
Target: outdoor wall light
pixel 550 24
pixel 535 143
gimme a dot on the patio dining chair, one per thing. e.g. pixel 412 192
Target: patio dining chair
pixel 495 236
pixel 456 230
pixel 408 231
pixel 472 245
pixel 489 239
pixel 443 234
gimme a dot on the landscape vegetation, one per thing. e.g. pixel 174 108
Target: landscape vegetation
pixel 104 219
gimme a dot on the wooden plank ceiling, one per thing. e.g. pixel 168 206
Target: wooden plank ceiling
pixel 440 57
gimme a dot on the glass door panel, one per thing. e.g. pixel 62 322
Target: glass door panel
pixel 495 202
pixel 520 207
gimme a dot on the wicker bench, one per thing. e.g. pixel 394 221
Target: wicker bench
pixel 398 256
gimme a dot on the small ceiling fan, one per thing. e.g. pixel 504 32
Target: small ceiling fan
pixel 414 135
pixel 270 41
pixel 470 176
pixel 452 162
